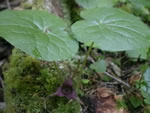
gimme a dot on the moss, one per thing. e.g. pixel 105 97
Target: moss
pixel 67 108
pixel 38 4
pixel 1 111
pixel 26 4
pixel 28 83
pixel 147 109
pixel 33 4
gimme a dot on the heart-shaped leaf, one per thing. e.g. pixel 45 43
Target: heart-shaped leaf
pixel 111 29
pixel 100 66
pixel 38 33
pixel 138 53
pixel 95 3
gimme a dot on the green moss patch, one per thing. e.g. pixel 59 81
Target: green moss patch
pixel 28 82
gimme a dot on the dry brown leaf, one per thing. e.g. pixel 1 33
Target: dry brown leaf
pixel 135 78
pixel 106 102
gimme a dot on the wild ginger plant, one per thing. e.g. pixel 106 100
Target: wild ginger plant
pixel 47 37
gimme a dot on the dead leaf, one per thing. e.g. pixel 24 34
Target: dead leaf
pixel 106 102
pixel 134 78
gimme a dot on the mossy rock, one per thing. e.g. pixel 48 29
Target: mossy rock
pixel 29 81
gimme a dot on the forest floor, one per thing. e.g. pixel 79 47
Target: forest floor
pixel 114 91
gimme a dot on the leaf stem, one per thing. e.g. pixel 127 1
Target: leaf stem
pixel 87 54
pixel 85 60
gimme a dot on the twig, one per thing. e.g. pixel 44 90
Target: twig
pixel 117 79
pixel 13 3
pixel 1 80
pixel 8 4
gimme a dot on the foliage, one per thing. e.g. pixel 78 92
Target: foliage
pixel 139 8
pixel 47 37
pixel 115 30
pixel 38 33
pixel 85 81
pixel 145 88
pixel 135 101
pixel 138 53
pixel 67 108
pixel 99 66
pixel 147 109
pixel 29 82
pixel 87 4
pixel 121 103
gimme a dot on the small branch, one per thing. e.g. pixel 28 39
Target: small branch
pixel 117 79
pixel 8 4
pixel 12 3
pixel 1 80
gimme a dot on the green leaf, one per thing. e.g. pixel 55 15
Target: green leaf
pixel 111 29
pixel 139 7
pixel 87 4
pixel 39 34
pixel 142 3
pixel 85 81
pixel 121 103
pixel 135 101
pixel 105 3
pixel 106 78
pixel 145 89
pixel 147 100
pixel 138 53
pixel 147 77
pixel 99 66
